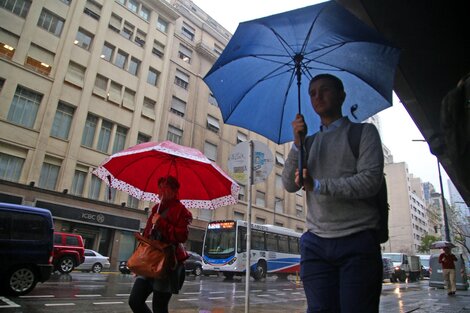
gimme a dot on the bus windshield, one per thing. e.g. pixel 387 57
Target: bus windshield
pixel 219 242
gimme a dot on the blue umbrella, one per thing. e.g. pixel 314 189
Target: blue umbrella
pixel 257 80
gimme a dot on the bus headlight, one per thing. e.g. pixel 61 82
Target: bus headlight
pixel 232 261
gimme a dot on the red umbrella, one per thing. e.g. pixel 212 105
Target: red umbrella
pixel 137 170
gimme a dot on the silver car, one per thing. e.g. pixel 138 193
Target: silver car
pixel 94 262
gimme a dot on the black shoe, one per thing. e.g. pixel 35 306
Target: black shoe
pixel 449 293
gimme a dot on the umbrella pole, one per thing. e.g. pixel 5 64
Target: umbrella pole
pixel 248 227
pixel 298 59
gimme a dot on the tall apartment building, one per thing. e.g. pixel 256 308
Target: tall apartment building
pixel 408 220
pixel 80 80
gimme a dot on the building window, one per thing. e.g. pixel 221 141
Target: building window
pixel 299 210
pixel 187 31
pixel 174 134
pixel 24 107
pixel 241 137
pixel 278 205
pixel 132 5
pixel 115 91
pixel 83 39
pixel 141 138
pixel 212 124
pixel 260 220
pixel 144 13
pixel 10 167
pixel 115 23
pixel 178 106
pixel 162 25
pixel 279 159
pixel 185 54
pixel 132 202
pixel 140 38
pixel 75 74
pixel 129 97
pixel 152 77
pixel 101 85
pixel 238 216
pixel 121 59
pixel 8 43
pixel 279 185
pixel 62 121
pixel 212 100
pixel 39 59
pixel 134 65
pixel 49 175
pixel 95 186
pixel 182 79
pixel 128 30
pixel 108 51
pixel 78 182
pixel 119 139
pixel 260 199
pixel 18 7
pixel 89 130
pixel 158 49
pixel 105 136
pixel 210 151
pixel 148 109
pixel 92 9
pixel 241 193
pixel 51 22
pixel 218 49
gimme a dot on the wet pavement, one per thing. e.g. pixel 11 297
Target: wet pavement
pixel 109 292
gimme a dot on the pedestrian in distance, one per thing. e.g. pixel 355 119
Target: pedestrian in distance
pixel 447 260
pixel 169 222
pixel 341 264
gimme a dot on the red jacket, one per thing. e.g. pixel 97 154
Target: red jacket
pixel 447 260
pixel 174 227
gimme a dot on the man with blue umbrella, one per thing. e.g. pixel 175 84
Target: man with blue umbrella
pixel 341 265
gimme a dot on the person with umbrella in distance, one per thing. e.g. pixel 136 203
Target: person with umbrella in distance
pixel 341 265
pixel 169 221
pixel 447 260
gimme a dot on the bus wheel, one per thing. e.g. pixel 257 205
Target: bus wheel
pixel 228 275
pixel 260 270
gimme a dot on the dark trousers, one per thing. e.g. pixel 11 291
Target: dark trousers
pixel 141 290
pixel 341 274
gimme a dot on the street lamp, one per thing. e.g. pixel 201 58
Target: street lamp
pixel 444 211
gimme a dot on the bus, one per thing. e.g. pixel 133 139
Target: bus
pixel 274 249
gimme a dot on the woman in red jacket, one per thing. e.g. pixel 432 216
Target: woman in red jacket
pixel 168 222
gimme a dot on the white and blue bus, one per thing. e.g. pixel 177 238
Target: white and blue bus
pixel 274 249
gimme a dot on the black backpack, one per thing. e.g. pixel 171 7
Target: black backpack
pixel 380 200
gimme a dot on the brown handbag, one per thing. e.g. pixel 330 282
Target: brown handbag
pixel 152 258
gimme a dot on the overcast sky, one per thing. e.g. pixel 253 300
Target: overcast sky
pixel 398 129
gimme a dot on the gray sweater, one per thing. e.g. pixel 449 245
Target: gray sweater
pixel 341 207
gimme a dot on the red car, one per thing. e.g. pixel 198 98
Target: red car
pixel 69 252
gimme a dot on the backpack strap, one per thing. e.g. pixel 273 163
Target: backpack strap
pixel 354 138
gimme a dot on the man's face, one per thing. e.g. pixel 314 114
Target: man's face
pixel 166 192
pixel 325 98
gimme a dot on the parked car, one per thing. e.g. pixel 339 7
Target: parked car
pixel 193 265
pixel 94 262
pixel 388 269
pixel 26 247
pixel 69 251
pixel 424 258
pixel 123 267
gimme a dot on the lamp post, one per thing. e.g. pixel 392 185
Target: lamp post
pixel 444 211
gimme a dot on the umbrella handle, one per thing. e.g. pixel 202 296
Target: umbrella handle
pixel 301 163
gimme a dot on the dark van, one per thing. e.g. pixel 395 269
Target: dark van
pixel 26 248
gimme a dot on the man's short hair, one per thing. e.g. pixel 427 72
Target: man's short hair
pixel 338 84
